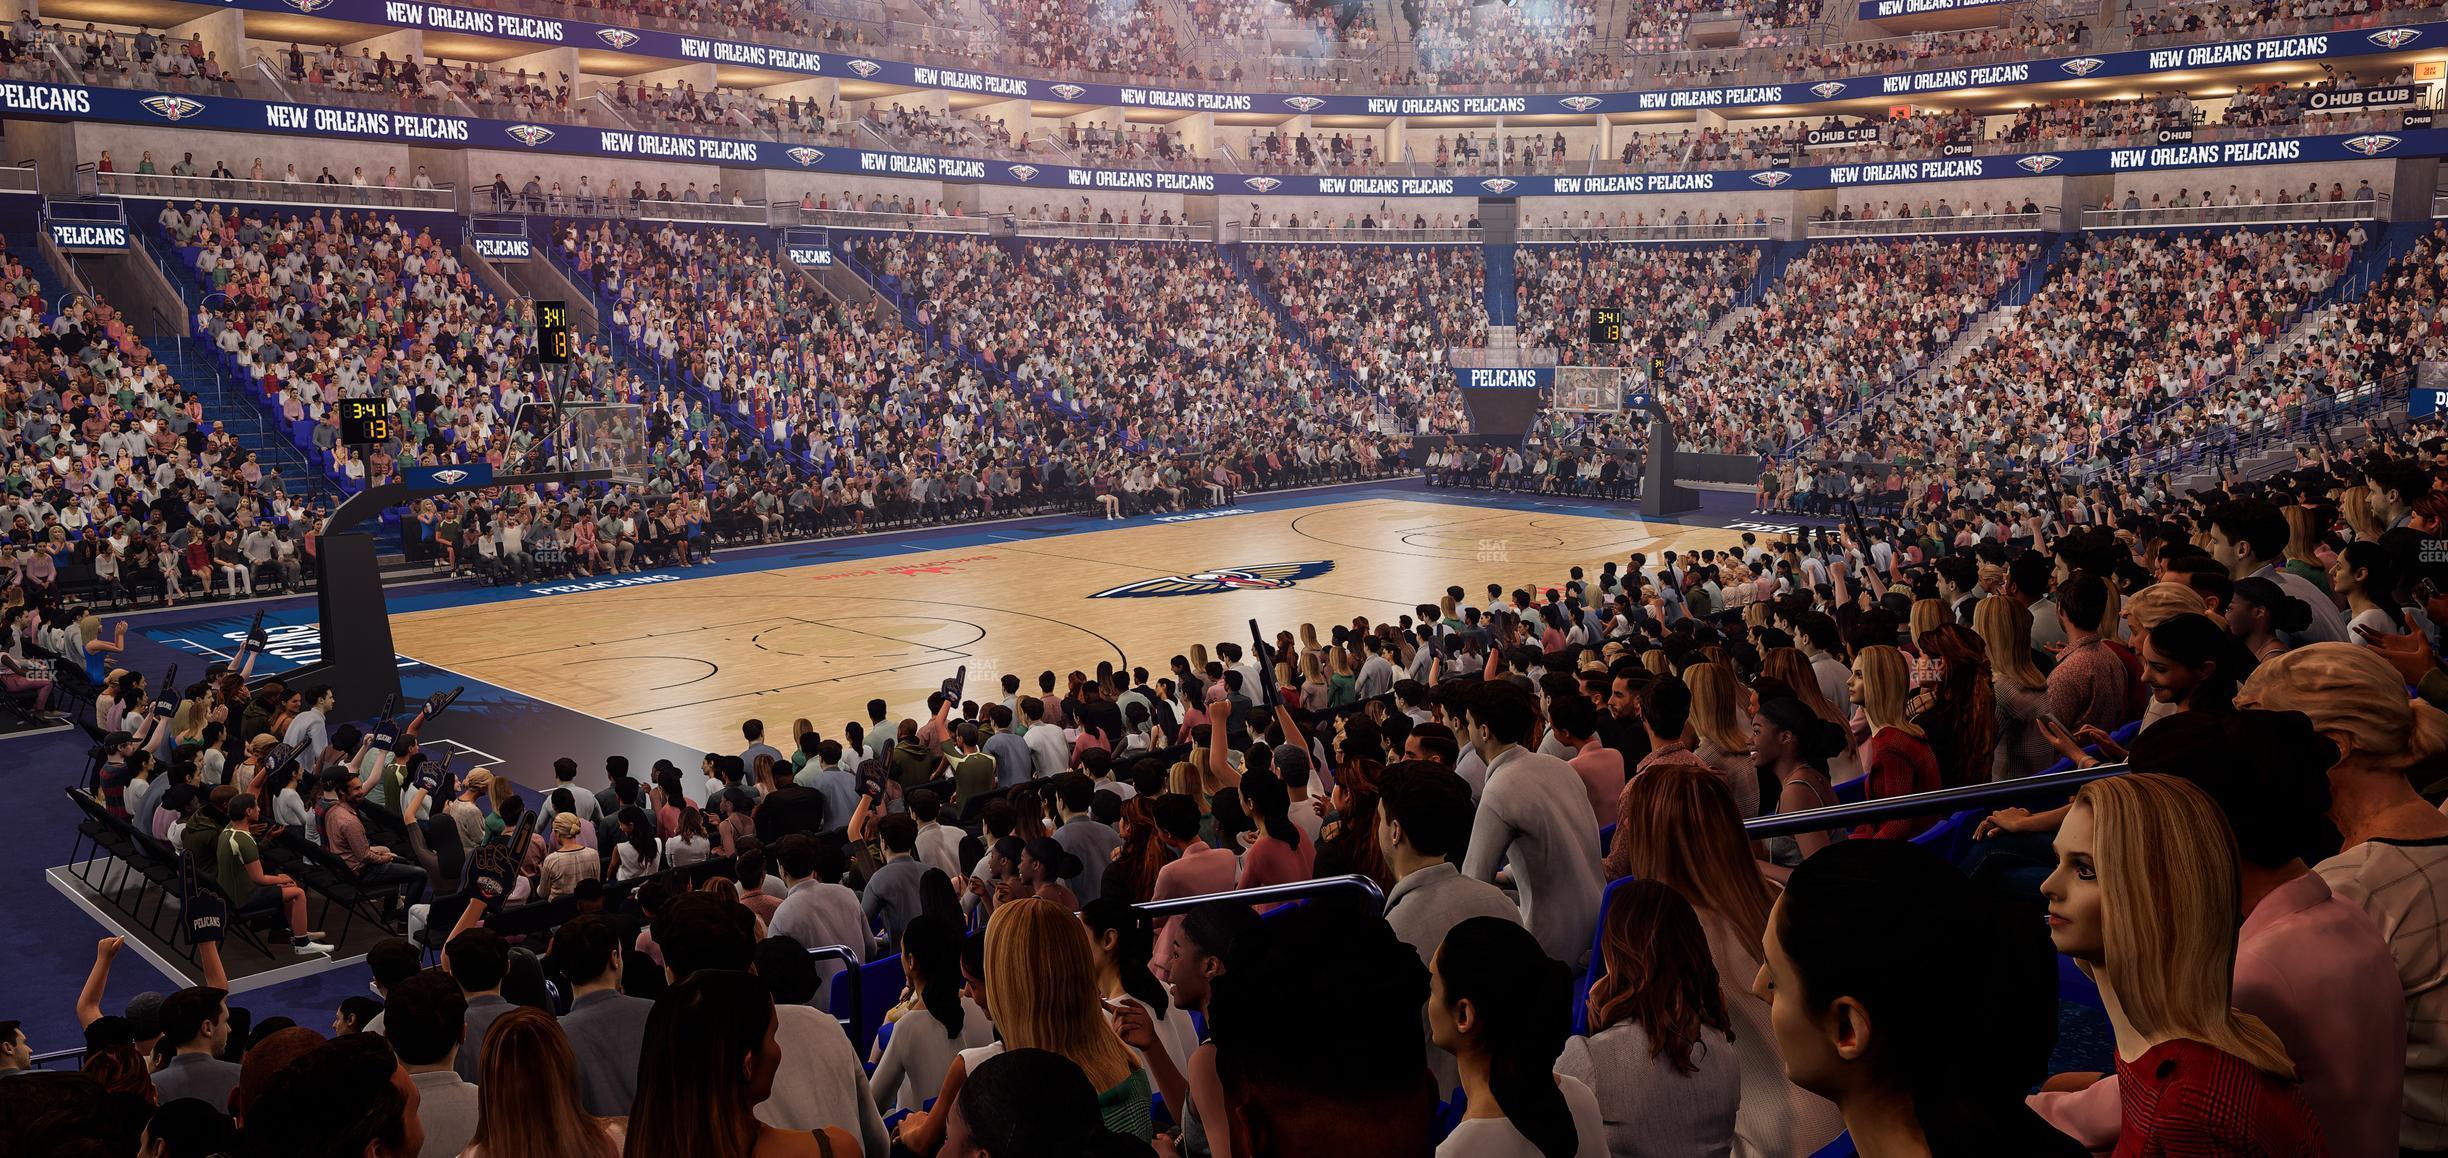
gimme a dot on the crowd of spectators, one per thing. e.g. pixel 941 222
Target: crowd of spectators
pixel 2188 20
pixel 2153 318
pixel 1123 38
pixel 1542 42
pixel 1231 43
pixel 1682 292
pixel 1165 342
pixel 1550 786
pixel 863 419
pixel 1384 314
pixel 1847 322
pixel 119 488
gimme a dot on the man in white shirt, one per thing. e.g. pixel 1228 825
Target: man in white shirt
pixel 1818 637
pixel 1376 673
pixel 816 909
pixel 1533 821
pixel 2249 537
pixel 1050 751
pixel 306 732
pixel 938 846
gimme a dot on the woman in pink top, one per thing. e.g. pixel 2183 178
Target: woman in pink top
pixel 1280 854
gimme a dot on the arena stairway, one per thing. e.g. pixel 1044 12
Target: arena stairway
pixel 654 368
pixel 893 292
pixel 235 413
pixel 240 414
pixel 1238 256
pixel 243 409
pixel 2395 240
pixel 2010 300
pixel 55 291
pixel 1773 260
pixel 1503 296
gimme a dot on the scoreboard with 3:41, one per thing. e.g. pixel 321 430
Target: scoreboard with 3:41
pixel 1605 325
pixel 366 422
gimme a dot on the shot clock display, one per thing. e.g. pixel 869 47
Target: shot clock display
pixel 552 333
pixel 366 422
pixel 1605 325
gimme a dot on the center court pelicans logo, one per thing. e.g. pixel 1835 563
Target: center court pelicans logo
pixel 2373 144
pixel 1827 88
pixel 616 37
pixel 1021 172
pixel 1771 177
pixel 309 5
pixel 865 67
pixel 2082 66
pixel 2039 162
pixel 2395 37
pixel 1069 92
pixel 1304 104
pixel 529 135
pixel 1499 184
pixel 172 108
pixel 1263 577
pixel 1261 184
pixel 806 156
pixel 1582 104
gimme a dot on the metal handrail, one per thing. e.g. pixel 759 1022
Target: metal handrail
pixel 850 968
pixel 1264 894
pixel 442 198
pixel 788 213
pixel 1693 231
pixel 1916 226
pixel 1114 230
pixel 2258 213
pixel 1381 235
pixel 1941 800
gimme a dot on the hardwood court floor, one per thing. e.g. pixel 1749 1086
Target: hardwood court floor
pixel 689 660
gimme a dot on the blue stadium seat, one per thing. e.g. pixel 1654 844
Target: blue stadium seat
pixel 1853 791
pixel 1948 837
pixel 879 986
pixel 1842 1147
pixel 1597 957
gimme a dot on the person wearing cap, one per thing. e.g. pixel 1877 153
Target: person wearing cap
pixel 466 811
pixel 239 870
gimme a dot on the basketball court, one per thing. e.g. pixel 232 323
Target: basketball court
pixel 686 661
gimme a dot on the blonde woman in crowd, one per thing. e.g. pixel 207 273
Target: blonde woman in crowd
pixel 2022 692
pixel 2144 898
pixel 1724 737
pixel 1895 752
